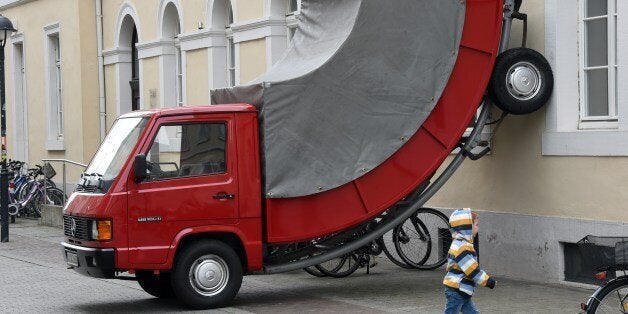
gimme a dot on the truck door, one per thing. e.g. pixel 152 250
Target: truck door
pixel 191 181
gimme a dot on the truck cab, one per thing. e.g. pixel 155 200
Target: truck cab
pixel 161 182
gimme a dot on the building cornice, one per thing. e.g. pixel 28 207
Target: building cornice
pixel 17 38
pixel 7 4
pixel 258 29
pixel 155 48
pixel 205 39
pixel 118 55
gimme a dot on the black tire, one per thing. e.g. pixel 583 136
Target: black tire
pixel 412 242
pixel 156 285
pixel 391 253
pixel 522 81
pixel 342 266
pixel 612 298
pixel 314 271
pixel 205 257
pixel 439 239
pixel 56 196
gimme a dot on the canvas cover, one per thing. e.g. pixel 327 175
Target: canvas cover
pixel 358 80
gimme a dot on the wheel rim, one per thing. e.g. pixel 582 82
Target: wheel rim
pixel 209 275
pixel 524 81
pixel 615 301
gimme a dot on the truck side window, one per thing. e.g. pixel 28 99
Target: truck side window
pixel 187 150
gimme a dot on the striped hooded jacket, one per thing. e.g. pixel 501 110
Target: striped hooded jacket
pixel 463 270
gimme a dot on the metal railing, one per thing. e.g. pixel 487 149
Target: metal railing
pixel 64 162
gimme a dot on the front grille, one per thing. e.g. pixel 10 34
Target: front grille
pixel 83 226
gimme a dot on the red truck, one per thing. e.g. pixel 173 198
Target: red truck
pixel 177 196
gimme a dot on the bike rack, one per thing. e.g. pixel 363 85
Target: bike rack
pixel 64 162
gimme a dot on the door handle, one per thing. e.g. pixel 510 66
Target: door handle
pixel 224 196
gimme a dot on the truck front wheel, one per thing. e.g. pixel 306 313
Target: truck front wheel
pixel 207 275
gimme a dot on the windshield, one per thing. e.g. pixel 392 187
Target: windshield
pixel 116 148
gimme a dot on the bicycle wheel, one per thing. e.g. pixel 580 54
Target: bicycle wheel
pixel 342 266
pixel 612 298
pixel 36 203
pixel 391 253
pixel 56 196
pixel 412 242
pixel 438 239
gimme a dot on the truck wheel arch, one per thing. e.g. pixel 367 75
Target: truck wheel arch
pixel 229 238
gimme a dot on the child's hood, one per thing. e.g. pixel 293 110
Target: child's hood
pixel 461 223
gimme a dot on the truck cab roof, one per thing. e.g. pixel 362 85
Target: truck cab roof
pixel 175 111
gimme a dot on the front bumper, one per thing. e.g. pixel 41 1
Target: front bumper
pixel 97 263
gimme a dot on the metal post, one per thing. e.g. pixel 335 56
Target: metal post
pixel 64 184
pixel 4 175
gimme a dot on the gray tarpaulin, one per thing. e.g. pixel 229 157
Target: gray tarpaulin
pixel 359 79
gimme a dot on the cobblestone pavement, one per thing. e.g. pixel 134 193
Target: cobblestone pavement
pixel 34 278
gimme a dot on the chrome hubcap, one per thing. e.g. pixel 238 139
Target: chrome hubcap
pixel 209 275
pixel 524 81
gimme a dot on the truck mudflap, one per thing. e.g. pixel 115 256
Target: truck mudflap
pixel 92 262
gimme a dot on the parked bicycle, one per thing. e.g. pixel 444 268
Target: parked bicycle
pixel 421 242
pixel 31 188
pixel 609 257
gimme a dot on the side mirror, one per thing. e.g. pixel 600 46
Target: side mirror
pixel 140 168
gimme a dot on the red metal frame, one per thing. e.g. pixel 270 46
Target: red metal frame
pixel 303 218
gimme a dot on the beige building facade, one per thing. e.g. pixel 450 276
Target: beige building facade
pixel 552 177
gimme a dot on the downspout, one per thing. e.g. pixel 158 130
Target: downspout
pixel 101 72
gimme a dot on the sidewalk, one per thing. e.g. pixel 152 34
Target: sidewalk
pixel 35 279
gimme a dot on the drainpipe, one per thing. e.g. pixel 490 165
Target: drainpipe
pixel 101 72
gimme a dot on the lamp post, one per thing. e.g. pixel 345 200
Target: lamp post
pixel 6 28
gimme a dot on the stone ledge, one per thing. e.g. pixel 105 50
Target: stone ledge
pixel 52 216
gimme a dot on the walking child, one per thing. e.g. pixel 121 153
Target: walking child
pixel 463 270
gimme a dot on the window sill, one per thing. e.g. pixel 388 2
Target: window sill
pixel 55 145
pixel 585 143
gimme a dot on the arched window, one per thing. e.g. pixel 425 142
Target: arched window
pixel 293 8
pixel 135 73
pixel 172 59
pixel 223 50
pixel 231 55
pixel 128 73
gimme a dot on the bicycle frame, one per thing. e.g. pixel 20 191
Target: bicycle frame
pixel 38 187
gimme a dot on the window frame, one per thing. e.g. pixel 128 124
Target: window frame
pixel 224 122
pixel 232 79
pixel 598 122
pixel 54 88
pixel 564 134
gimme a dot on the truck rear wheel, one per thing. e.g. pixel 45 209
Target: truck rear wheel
pixel 522 81
pixel 156 285
pixel 207 275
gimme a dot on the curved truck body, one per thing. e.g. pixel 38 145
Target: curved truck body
pixel 307 217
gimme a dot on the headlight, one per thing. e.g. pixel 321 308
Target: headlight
pixel 102 230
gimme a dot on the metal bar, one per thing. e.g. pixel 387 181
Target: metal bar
pixel 382 229
pixel 64 183
pixel 509 8
pixel 66 161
